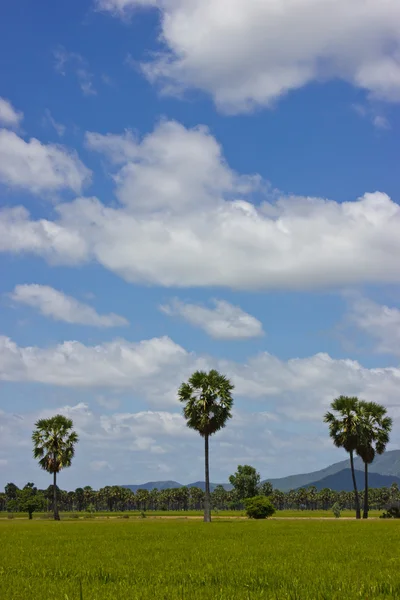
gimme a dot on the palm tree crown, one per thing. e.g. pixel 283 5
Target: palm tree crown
pixel 343 427
pixel 54 443
pixel 375 428
pixel 208 401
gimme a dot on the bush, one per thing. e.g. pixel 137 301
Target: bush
pixel 393 512
pixel 259 507
pixel 336 510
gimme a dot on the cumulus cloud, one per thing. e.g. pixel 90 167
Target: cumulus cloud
pixel 301 388
pixel 60 307
pixel 38 167
pixel 172 168
pixel 248 53
pixel 187 219
pixel 380 322
pixel 117 364
pixel 19 234
pixel 9 117
pixel 224 321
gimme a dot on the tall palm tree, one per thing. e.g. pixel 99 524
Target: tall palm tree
pixel 208 404
pixel 344 430
pixel 374 430
pixel 54 447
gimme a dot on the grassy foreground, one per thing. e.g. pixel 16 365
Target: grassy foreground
pixel 143 560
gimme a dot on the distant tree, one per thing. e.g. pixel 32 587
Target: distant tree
pixel 278 499
pixel 266 488
pixel 30 500
pixel 54 446
pixel 245 482
pixel 208 404
pixel 343 424
pixel 79 498
pixel 374 430
pixel 219 497
pixel 259 507
pixel 11 491
pixel 196 497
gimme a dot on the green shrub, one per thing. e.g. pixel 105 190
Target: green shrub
pixel 259 507
pixel 393 512
pixel 336 510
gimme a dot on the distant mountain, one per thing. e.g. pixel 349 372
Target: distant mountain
pixel 165 485
pixel 151 485
pixel 202 485
pixel 386 464
pixel 342 481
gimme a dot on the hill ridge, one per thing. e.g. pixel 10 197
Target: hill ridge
pixel 388 464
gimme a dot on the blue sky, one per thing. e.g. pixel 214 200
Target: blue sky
pixel 184 188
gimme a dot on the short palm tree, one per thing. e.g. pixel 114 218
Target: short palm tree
pixel 54 447
pixel 343 424
pixel 208 404
pixel 374 430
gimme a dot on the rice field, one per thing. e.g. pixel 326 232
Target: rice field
pixel 186 559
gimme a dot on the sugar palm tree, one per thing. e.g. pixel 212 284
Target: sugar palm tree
pixel 208 404
pixel 374 430
pixel 54 447
pixel 343 424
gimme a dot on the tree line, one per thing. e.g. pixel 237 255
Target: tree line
pixel 30 499
pixel 357 426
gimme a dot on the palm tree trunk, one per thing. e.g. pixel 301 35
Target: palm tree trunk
pixel 357 498
pixel 365 512
pixel 207 511
pixel 55 507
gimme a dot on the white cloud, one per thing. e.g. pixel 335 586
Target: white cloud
pixel 224 321
pixel 9 117
pixel 60 307
pixel 187 219
pixel 301 388
pixel 39 167
pixel 58 127
pixel 78 64
pixel 248 53
pixel 379 321
pixel 117 148
pixel 173 167
pixel 19 234
pixel 117 364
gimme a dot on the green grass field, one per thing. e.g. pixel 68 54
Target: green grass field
pixel 152 559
